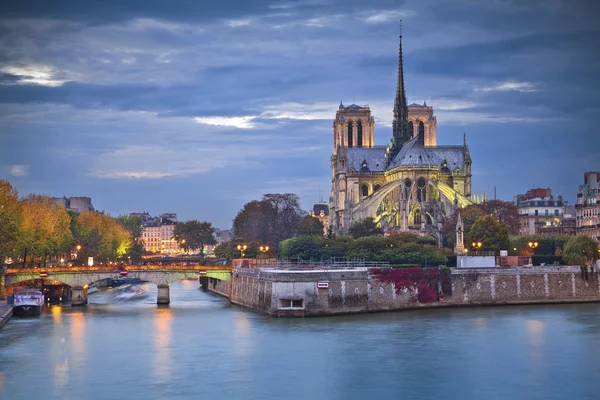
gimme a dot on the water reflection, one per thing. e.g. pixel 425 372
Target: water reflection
pixel 481 324
pixel 242 333
pixel 162 344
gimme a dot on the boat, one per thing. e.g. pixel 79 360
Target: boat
pixel 92 288
pixel 28 302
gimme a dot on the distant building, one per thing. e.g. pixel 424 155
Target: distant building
pixel 157 233
pixel 587 207
pixel 538 210
pixel 223 236
pixel 321 212
pixel 76 204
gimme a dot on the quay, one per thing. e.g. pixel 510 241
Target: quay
pixel 6 313
pixel 297 292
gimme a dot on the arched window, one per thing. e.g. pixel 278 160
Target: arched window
pixel 421 128
pixel 359 139
pixel 417 217
pixel 411 129
pixel 376 188
pixel 421 190
pixel 364 190
pixel 350 134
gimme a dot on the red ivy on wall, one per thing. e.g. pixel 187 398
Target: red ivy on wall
pixel 424 285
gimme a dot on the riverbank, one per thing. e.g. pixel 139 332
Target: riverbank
pixel 300 293
pixel 6 313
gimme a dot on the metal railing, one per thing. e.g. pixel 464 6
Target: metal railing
pixel 334 262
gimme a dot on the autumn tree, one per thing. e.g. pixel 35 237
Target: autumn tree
pixel 310 226
pixel 492 234
pixel 10 216
pixel 101 237
pixel 44 229
pixel 581 249
pixel 194 235
pixel 365 227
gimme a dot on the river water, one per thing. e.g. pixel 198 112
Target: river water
pixel 201 347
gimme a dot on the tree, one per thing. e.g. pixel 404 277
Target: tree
pixel 44 230
pixel 194 234
pixel 269 221
pixel 492 234
pixel 132 224
pixel 505 212
pixel 365 227
pixel 581 249
pixel 101 237
pixel 469 215
pixel 10 216
pixel 311 226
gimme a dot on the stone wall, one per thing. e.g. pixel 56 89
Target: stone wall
pixel 297 293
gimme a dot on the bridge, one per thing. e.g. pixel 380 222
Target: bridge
pixel 79 278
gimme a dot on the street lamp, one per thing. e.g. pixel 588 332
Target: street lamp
pixel 477 245
pixel 78 247
pixel 264 249
pixel 533 245
pixel 242 248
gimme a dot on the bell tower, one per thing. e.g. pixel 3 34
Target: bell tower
pixel 353 127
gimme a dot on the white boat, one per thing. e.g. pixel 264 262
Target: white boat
pixel 28 302
pixel 92 288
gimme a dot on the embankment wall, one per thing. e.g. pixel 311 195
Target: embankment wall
pixel 298 293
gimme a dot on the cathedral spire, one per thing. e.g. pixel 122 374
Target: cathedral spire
pixel 400 124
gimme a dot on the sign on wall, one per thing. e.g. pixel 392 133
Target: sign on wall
pixel 90 261
pixel 322 285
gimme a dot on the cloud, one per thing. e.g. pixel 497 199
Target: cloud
pixel 37 74
pixel 19 170
pixel 235 122
pixel 385 16
pixel 236 23
pixel 509 86
pixel 299 111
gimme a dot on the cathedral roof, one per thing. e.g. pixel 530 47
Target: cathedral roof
pixel 374 157
pixel 415 153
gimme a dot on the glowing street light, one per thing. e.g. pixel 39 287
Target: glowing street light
pixel 533 245
pixel 477 245
pixel 78 247
pixel 242 248
pixel 264 249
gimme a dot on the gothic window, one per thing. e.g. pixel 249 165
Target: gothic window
pixel 421 190
pixel 376 188
pixel 428 219
pixel 421 129
pixel 408 183
pixel 417 217
pixel 411 128
pixel 350 134
pixel 360 137
pixel 364 190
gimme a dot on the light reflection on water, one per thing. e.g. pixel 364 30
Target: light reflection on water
pixel 202 347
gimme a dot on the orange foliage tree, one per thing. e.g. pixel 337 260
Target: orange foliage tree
pixel 101 237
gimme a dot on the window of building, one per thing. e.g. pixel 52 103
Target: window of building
pixel 555 212
pixel 417 217
pixel 421 190
pixel 364 190
pixel 350 144
pixel 376 188
pixel 536 212
pixel 411 129
pixel 546 212
pixel 360 136
pixel 291 303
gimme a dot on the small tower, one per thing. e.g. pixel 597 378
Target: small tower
pixel 353 127
pixel 459 247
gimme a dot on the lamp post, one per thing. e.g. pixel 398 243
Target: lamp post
pixel 533 245
pixel 477 245
pixel 242 248
pixel 264 249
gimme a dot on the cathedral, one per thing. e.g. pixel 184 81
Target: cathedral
pixel 408 185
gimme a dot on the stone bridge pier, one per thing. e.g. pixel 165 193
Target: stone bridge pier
pixel 79 296
pixel 164 295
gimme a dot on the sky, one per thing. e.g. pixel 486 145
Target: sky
pixel 198 107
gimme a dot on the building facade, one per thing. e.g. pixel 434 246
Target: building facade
pixel 157 234
pixel 587 207
pixel 406 186
pixel 76 204
pixel 540 213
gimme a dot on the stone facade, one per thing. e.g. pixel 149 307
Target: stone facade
pixel 587 208
pixel 311 293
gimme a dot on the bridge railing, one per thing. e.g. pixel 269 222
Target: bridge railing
pixel 116 269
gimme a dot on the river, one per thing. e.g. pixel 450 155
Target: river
pixel 201 347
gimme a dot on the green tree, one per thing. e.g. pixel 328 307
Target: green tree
pixel 10 218
pixel 194 235
pixel 469 215
pixel 581 249
pixel 269 221
pixel 492 234
pixel 311 226
pixel 365 227
pixel 132 224
pixel 100 237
